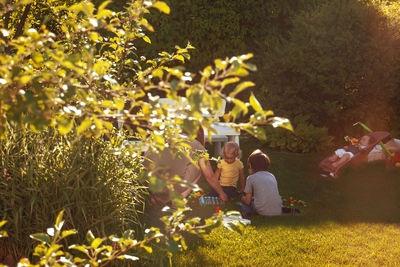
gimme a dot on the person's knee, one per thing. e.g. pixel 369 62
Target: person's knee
pixel 333 158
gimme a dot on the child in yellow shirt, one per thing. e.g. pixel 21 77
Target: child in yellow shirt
pixel 230 170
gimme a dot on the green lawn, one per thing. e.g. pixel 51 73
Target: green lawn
pixel 352 220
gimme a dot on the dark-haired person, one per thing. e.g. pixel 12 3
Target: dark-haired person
pixel 261 190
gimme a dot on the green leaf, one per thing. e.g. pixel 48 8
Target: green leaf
pixel 146 39
pixel 156 184
pixel 68 233
pixel 233 213
pixel 85 125
pixel 240 105
pixel 172 246
pixel 190 126
pixel 258 132
pixel 102 11
pixel 207 71
pixel 80 248
pixel 240 87
pixel 107 104
pixel 65 125
pixel 96 243
pixel 89 236
pixel 229 81
pixel 246 56
pixel 148 249
pixel 41 237
pixel 59 219
pixel 250 66
pixel 180 58
pixel 183 244
pixel 177 199
pixel 221 65
pixel 255 104
pixel 3 234
pixel 158 73
pixel 37 58
pixel 237 227
pixel 128 234
pixel 162 7
pixel 239 72
pixel 282 123
pixel 94 36
pixel 119 102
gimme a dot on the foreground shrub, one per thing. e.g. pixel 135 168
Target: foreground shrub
pixel 79 76
pixel 44 173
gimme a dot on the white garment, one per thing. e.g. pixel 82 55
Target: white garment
pixel 341 152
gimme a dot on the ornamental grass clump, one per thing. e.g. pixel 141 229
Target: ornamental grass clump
pixel 44 173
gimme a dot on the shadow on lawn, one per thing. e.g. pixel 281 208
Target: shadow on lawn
pixel 368 193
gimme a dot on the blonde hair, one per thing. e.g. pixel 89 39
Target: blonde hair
pixel 232 147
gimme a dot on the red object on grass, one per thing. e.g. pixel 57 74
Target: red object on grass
pixel 217 210
pixel 395 159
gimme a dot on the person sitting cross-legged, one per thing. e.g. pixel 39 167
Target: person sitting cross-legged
pixel 230 171
pixel 261 190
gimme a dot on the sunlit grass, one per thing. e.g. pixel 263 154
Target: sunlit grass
pixel 353 220
pixel 283 242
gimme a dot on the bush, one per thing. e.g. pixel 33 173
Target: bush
pixel 79 76
pixel 305 138
pixel 330 60
pixel 44 173
pixel 335 66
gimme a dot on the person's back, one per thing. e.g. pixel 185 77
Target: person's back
pixel 261 190
pixel 264 186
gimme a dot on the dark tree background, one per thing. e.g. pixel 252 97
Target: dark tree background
pixel 325 63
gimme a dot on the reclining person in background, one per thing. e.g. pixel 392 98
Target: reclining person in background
pixel 377 153
pixel 345 154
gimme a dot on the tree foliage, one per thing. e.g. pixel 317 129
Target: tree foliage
pixel 90 72
pixel 326 61
pixel 335 65
pixel 76 68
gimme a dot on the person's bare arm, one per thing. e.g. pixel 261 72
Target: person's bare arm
pixel 208 173
pixel 241 180
pixel 218 173
pixel 247 199
pixel 187 191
